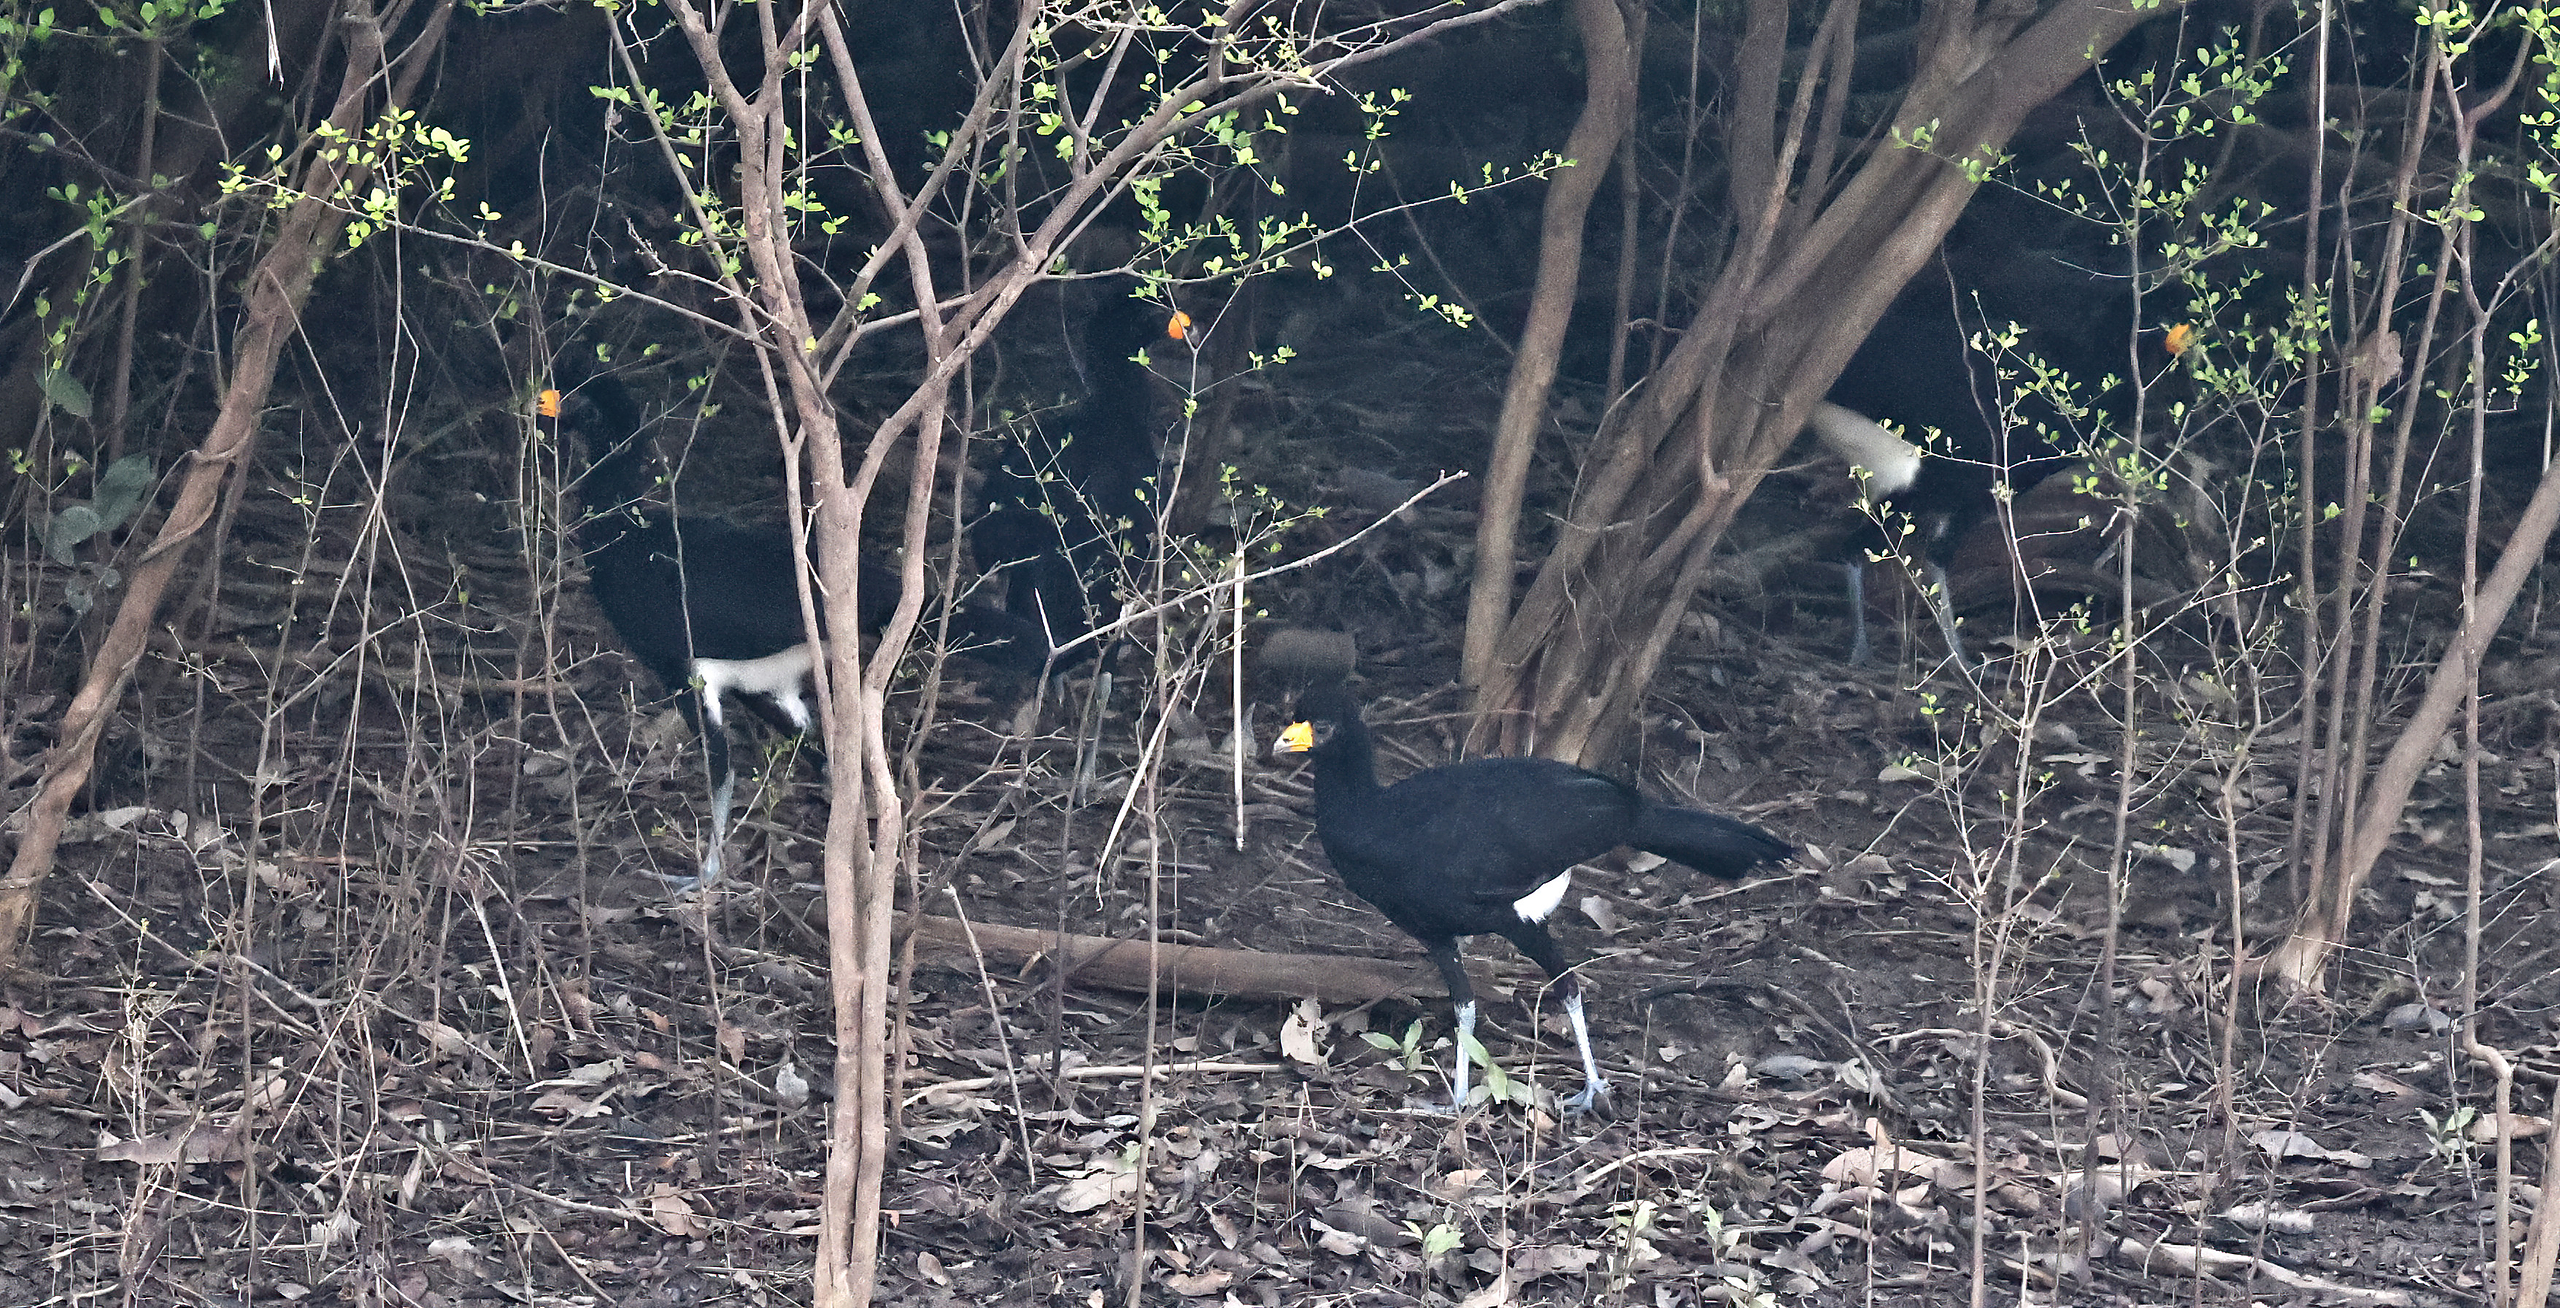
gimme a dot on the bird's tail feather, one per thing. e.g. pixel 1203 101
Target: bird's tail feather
pixel 1892 463
pixel 1710 842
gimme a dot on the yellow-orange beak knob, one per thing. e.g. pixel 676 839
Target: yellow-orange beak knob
pixel 1297 739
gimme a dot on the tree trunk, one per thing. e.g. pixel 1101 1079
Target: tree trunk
pixel 1607 110
pixel 2305 952
pixel 1809 277
pixel 278 288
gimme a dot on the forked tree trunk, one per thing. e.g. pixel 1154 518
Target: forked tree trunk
pixel 1817 261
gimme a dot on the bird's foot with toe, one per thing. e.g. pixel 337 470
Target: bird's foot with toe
pixel 1593 1094
pixel 685 887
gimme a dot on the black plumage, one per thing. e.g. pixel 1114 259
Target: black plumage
pixel 1072 507
pixel 710 606
pixel 1487 847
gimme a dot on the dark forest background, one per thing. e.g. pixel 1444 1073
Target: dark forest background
pixel 2197 933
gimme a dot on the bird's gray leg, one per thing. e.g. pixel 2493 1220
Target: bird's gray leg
pixel 1466 1036
pixel 1594 1087
pixel 1462 995
pixel 1859 650
pixel 710 723
pixel 723 797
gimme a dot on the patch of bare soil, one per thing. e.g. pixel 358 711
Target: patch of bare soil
pixel 354 988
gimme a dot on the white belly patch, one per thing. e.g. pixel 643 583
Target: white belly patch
pixel 777 677
pixel 1539 903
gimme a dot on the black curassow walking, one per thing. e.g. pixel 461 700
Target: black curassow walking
pixel 711 606
pixel 1487 847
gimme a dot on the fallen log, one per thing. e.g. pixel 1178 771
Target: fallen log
pixel 1182 969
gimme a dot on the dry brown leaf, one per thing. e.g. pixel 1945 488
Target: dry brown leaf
pixel 1109 1181
pixel 2484 1129
pixel 198 1143
pixel 1602 915
pixel 1539 1260
pixel 1214 1280
pixel 1337 1242
pixel 669 1211
pixel 1492 1296
pixel 564 1106
pixel 457 1251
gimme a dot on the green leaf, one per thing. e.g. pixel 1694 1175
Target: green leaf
pixel 121 490
pixel 70 527
pixel 65 392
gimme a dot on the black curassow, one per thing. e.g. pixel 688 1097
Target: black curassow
pixel 1487 847
pixel 1070 507
pixel 711 606
pixel 1920 369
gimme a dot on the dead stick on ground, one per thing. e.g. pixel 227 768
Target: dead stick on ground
pixel 1237 973
pixel 1115 1071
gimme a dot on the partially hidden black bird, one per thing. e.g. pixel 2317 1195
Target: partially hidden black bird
pixel 1921 371
pixel 1487 847
pixel 711 606
pixel 1071 507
